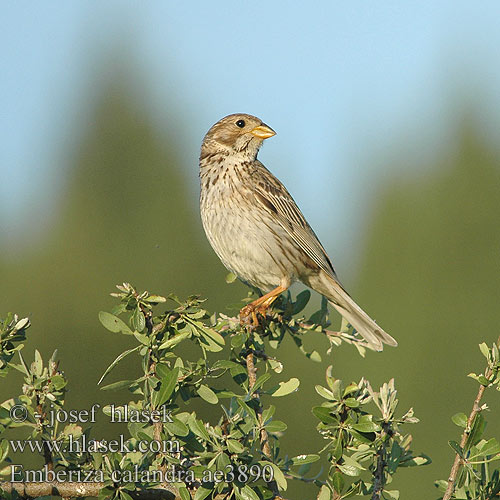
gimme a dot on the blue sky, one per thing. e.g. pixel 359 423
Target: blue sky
pixel 341 83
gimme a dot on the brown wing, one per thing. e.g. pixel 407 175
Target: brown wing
pixel 271 193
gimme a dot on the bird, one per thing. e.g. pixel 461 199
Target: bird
pixel 258 231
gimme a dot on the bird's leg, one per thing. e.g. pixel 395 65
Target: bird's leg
pixel 260 306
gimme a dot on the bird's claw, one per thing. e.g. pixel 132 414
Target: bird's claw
pixel 248 315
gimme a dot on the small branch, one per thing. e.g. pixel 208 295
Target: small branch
pixel 264 436
pixel 47 456
pixel 157 436
pixel 157 426
pixel 251 370
pixel 379 474
pixel 344 336
pixel 78 490
pixel 252 378
pixel 457 463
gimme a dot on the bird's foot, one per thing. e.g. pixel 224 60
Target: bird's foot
pixel 248 314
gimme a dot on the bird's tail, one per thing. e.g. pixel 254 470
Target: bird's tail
pixel 345 305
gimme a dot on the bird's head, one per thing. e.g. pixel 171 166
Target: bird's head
pixel 238 133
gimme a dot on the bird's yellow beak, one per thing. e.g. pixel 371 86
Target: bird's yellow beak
pixel 263 132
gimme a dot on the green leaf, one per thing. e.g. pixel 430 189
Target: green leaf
pixel 487 448
pixel 184 493
pixel 460 419
pixel 275 365
pixel 59 381
pixel 239 374
pixel 338 449
pixel 315 356
pixel 4 449
pixel 476 432
pixel 24 369
pixel 305 459
pixel 237 340
pixel 162 370
pixel 202 493
pixel 323 414
pixel 441 484
pixel 106 493
pixel 143 339
pixel 324 393
pixel 485 351
pixel 276 426
pixel 279 477
pixel 480 378
pixel 324 493
pixel 38 363
pixel 301 301
pixel 155 299
pixel 22 323
pixel 348 470
pixel 234 446
pixel 350 389
pixel 231 277
pixel 167 387
pixel 268 413
pixel 214 339
pixel 122 384
pixel 250 412
pixel 246 493
pixel 286 388
pixel 365 424
pixel 338 481
pixel 261 381
pixel 416 461
pixel 224 364
pixel 138 320
pixel 352 403
pixel 113 323
pixel 457 448
pixel 116 361
pixel 350 466
pixel 392 494
pixel 198 428
pixel 176 427
pixel 208 395
pixel 173 341
pixel 337 389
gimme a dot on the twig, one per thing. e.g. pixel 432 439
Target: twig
pixel 252 378
pixel 346 337
pixel 264 436
pixel 157 426
pixel 67 490
pixel 457 463
pixel 379 474
pixel 78 490
pixel 47 455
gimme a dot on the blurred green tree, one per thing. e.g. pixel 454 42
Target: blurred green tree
pixel 127 213
pixel 431 273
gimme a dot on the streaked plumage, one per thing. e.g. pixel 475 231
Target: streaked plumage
pixel 257 229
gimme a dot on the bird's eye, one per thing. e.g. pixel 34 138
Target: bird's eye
pixel 240 123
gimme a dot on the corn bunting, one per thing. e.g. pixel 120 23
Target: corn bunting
pixel 258 231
